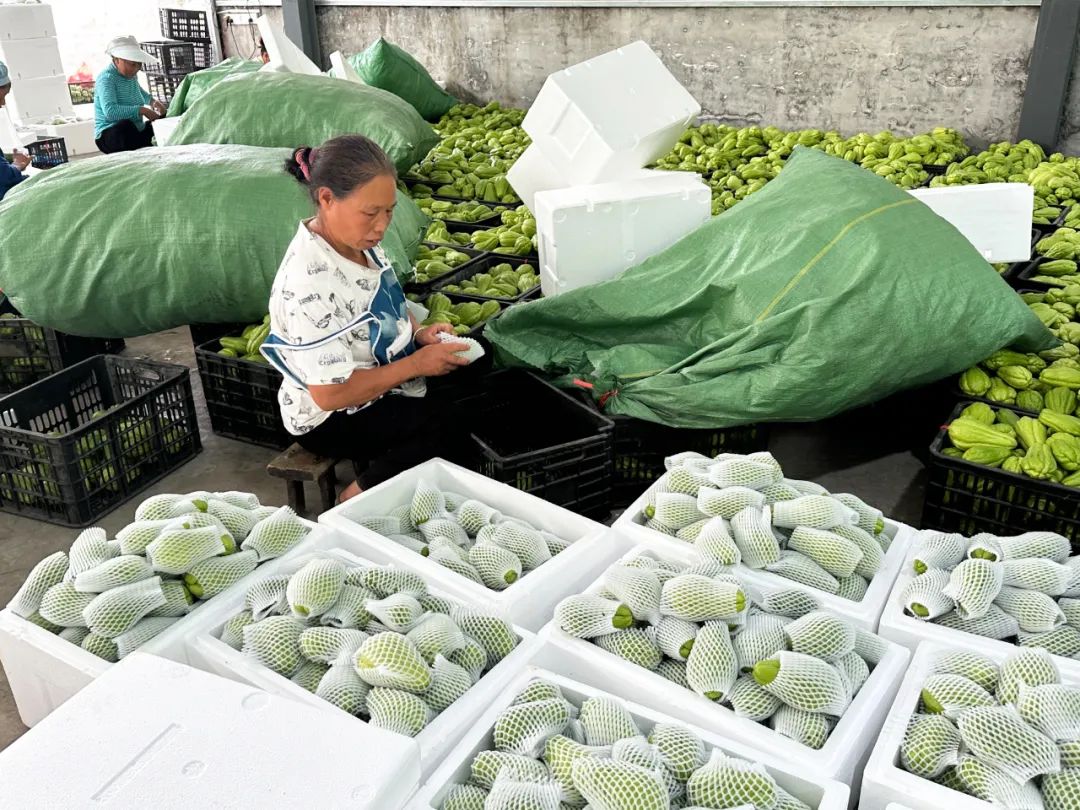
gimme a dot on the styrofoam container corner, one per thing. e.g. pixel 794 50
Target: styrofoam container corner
pixel 818 792
pixel 207 651
pixel 44 670
pixel 884 780
pixel 165 127
pixel 843 754
pixel 155 733
pixel 591 233
pixel 36 101
pixel 994 217
pixel 31 58
pixel 610 115
pixel 26 21
pixel 530 600
pixel 865 614
pixel 533 173
pixel 78 135
pixel 897 626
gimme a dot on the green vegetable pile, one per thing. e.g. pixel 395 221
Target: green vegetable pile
pixel 551 751
pixel 1044 447
pixel 1023 589
pixel 433 263
pixel 464 317
pixel 438 233
pixel 112 596
pixel 29 341
pixel 501 281
pixel 370 640
pixel 773 658
pixel 246 346
pixel 455 212
pixel 516 236
pixel 467 536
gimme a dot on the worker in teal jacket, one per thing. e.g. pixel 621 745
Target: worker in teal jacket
pixel 11 174
pixel 121 104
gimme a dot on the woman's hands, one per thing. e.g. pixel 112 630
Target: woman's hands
pixel 429 335
pixel 437 359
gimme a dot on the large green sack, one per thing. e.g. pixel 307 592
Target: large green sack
pixel 290 109
pixel 195 85
pixel 829 288
pixel 390 68
pixel 137 242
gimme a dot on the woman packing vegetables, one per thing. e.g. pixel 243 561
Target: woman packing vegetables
pixel 353 357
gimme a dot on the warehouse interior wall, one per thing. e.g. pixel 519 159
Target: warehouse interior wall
pixel 907 69
pixel 84 29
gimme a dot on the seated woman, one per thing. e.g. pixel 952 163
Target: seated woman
pixel 11 174
pixel 353 357
pixel 120 103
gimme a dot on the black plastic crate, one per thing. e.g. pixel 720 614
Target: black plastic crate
pixel 205 332
pixel 241 397
pixel 531 435
pixel 640 447
pixel 426 287
pixel 76 445
pixel 29 352
pixel 179 23
pixel 482 265
pixel 47 153
pixel 1021 276
pixel 163 88
pixel 935 171
pixel 81 92
pixel 170 58
pixel 969 498
pixel 204 53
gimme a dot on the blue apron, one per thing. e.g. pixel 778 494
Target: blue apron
pixel 388 303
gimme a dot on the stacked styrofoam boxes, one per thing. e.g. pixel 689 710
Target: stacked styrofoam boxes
pixel 864 614
pixel 207 651
pixel 28 47
pixel 78 135
pixel 884 779
pixel 43 670
pixel 806 785
pixel 594 127
pixel 841 757
pixel 155 733
pixel 530 600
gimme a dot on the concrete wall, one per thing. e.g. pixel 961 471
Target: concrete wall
pixel 83 29
pixel 850 69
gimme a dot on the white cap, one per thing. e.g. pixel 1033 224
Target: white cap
pixel 128 48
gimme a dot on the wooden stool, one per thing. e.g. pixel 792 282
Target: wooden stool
pixel 296 465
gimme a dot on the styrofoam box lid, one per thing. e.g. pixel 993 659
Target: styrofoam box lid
pixel 207 650
pixel 865 614
pixel 885 780
pixel 994 217
pixel 529 600
pixel 32 100
pixel 24 21
pixel 823 794
pixel 155 733
pixel 165 127
pixel 31 58
pixel 910 632
pixel 533 173
pixel 22 641
pixel 644 186
pixel 841 756
pixel 619 93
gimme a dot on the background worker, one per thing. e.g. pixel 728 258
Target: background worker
pixel 121 104
pixel 11 174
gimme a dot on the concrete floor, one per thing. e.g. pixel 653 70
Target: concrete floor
pixel 867 452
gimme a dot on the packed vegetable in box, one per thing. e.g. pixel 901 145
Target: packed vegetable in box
pixel 501 281
pixel 112 596
pixel 455 212
pixel 438 234
pixel 1024 589
pixel 740 509
pixel 1009 734
pixel 464 317
pixel 433 263
pixel 773 658
pixel 467 536
pixel 246 346
pixel 371 640
pixel 1027 380
pixel 550 751
pixel 1046 447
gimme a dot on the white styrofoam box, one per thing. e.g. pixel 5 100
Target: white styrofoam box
pixel 610 115
pixel 284 55
pixel 588 234
pixel 841 757
pixel 165 127
pixel 531 174
pixel 343 68
pixel 817 792
pixel 207 651
pixel 898 626
pixel 38 101
pixel 155 733
pixel 530 600
pixel 31 58
pixel 44 670
pixel 865 614
pixel 884 779
pixel 78 136
pixel 994 217
pixel 23 21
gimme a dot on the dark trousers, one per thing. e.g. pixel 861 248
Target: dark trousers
pixel 125 137
pixel 390 436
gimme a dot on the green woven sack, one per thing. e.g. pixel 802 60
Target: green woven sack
pixel 195 85
pixel 388 67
